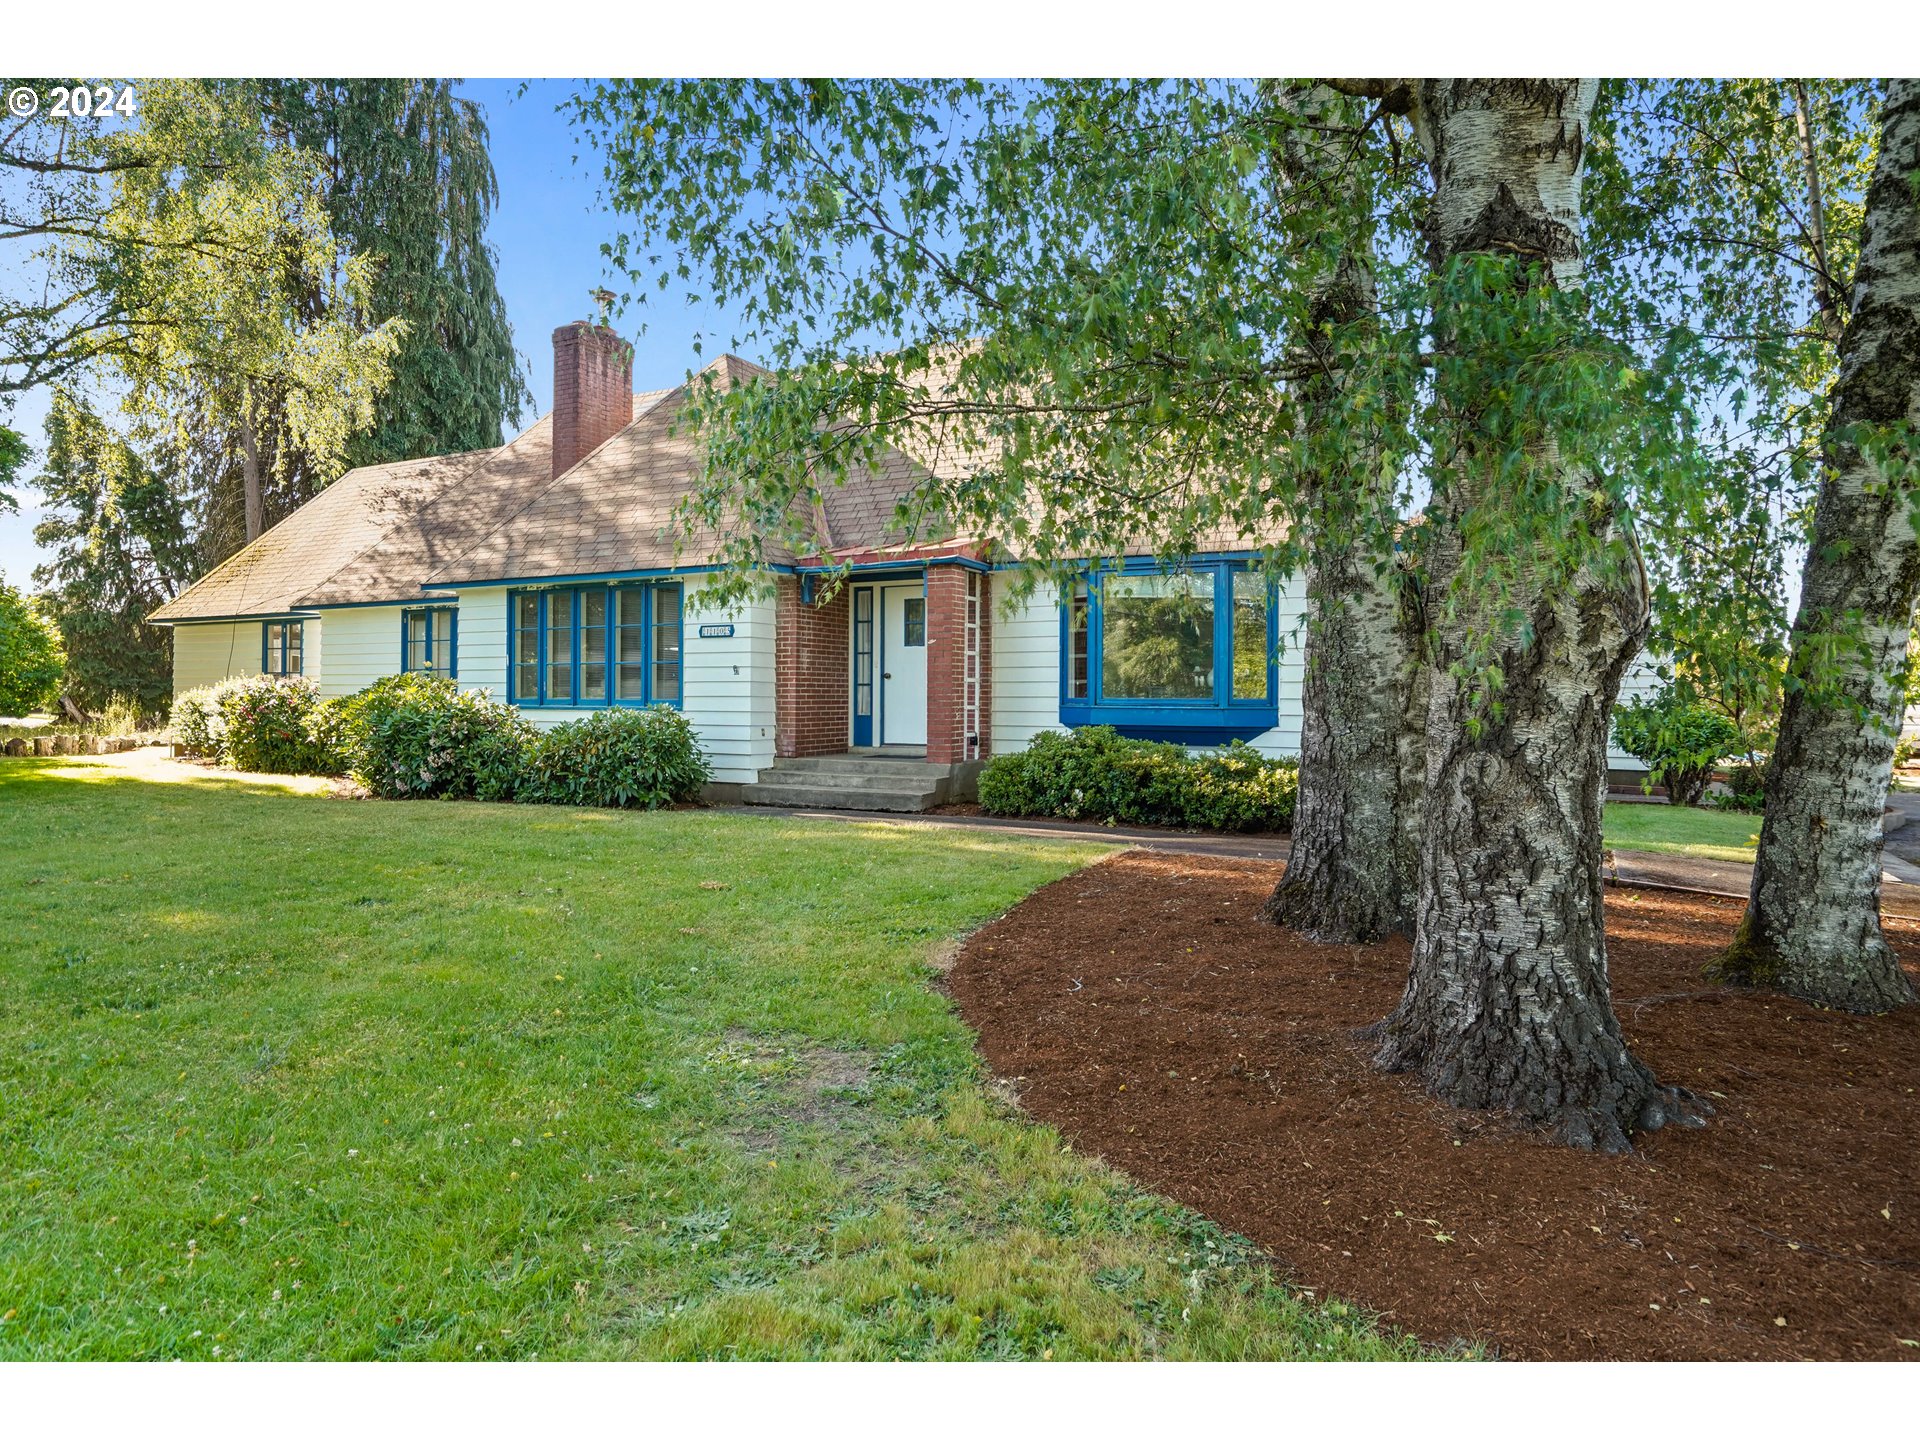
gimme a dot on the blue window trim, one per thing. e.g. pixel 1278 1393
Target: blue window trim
pixel 267 654
pixel 1191 722
pixel 605 698
pixel 436 615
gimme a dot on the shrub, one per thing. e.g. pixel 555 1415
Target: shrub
pixel 1094 773
pixel 266 722
pixel 195 722
pixel 645 758
pixel 420 737
pixel 1746 789
pixel 1678 742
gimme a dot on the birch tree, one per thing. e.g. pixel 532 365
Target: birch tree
pixel 1350 868
pixel 1508 1003
pixel 1812 926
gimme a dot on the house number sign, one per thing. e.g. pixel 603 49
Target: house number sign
pixel 716 632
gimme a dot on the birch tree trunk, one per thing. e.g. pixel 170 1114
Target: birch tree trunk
pixel 1812 926
pixel 1346 880
pixel 1508 1004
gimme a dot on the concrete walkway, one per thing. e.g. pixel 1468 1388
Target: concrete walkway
pixel 1899 893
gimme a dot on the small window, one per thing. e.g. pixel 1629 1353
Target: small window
pixel 526 646
pixel 281 648
pixel 1250 629
pixel 915 615
pixel 1077 644
pixel 666 645
pixel 428 646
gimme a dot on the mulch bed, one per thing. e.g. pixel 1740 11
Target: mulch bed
pixel 1140 1007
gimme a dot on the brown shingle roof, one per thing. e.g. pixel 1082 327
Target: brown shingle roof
pixel 615 510
pixel 275 573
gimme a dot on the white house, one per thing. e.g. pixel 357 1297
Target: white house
pixel 546 572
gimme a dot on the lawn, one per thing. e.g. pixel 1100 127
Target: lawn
pixel 1683 830
pixel 290 1076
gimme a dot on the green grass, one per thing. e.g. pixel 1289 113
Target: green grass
pixel 1682 830
pixel 287 1076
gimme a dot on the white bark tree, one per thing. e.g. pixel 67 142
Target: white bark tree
pixel 1349 875
pixel 1508 1003
pixel 1812 926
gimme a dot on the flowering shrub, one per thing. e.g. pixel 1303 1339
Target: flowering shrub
pixel 265 722
pixel 421 737
pixel 195 722
pixel 645 758
pixel 1094 773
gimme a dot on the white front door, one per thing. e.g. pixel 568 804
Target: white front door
pixel 903 664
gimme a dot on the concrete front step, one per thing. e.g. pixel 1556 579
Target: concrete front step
pixel 839 780
pixel 798 794
pixel 875 766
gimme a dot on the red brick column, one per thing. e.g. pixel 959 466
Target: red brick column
pixel 959 690
pixel 812 646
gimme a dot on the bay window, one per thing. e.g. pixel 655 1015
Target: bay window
pixel 1187 655
pixel 589 646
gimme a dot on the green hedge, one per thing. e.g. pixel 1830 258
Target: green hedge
pixel 644 758
pixel 419 737
pixel 1096 774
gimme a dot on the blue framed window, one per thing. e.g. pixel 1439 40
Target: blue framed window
pixel 1188 655
pixel 590 646
pixel 282 647
pixel 429 641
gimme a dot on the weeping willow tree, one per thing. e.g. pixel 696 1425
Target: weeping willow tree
pixel 408 179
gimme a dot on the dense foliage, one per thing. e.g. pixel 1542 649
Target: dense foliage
pixel 640 758
pixel 1680 742
pixel 422 737
pixel 408 180
pixel 1094 773
pixel 30 656
pixel 117 528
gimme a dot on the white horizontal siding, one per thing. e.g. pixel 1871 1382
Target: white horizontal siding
pixel 363 644
pixel 207 652
pixel 1026 665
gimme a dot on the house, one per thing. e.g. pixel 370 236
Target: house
pixel 547 572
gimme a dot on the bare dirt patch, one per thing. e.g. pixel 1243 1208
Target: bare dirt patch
pixel 1141 1008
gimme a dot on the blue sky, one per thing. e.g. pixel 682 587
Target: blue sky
pixel 548 229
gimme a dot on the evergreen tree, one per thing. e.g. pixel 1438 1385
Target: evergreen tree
pixel 408 179
pixel 118 526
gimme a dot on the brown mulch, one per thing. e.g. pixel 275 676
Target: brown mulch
pixel 1141 1008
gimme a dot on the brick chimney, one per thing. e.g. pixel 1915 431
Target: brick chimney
pixel 592 390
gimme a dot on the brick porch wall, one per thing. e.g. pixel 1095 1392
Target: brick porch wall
pixel 950 738
pixel 811 645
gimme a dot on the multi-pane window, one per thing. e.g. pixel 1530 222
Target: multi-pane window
pixel 429 641
pixel 595 645
pixel 281 648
